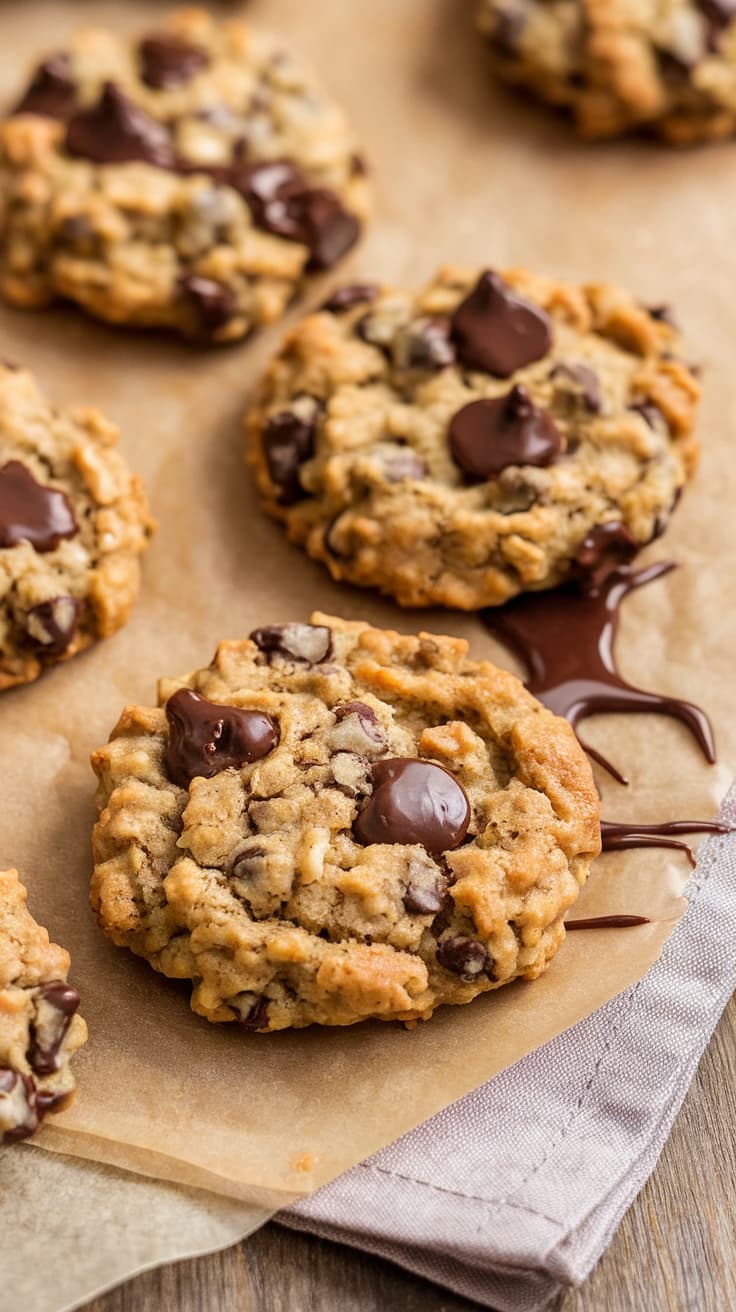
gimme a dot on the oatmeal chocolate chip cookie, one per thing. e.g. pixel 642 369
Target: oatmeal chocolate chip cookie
pixel 40 1029
pixel 73 523
pixel 189 178
pixel 460 446
pixel 332 822
pixel 667 66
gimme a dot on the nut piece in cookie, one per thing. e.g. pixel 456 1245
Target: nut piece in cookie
pixel 665 68
pixel 40 1028
pixel 190 177
pixel 459 446
pixel 73 524
pixel 332 823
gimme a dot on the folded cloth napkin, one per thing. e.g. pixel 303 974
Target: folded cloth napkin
pixel 516 1190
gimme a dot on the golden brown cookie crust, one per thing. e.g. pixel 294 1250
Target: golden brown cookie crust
pixel 253 884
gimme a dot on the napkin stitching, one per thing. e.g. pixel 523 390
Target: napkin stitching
pixel 456 1193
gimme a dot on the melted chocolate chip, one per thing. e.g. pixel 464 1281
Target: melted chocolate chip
pixel 617 836
pixel 56 1004
pixel 215 303
pixel 167 61
pixel 424 344
pixel 488 435
pixel 356 293
pixel 420 900
pixel 287 442
pixel 31 512
pixel 607 922
pixel 413 801
pixel 115 131
pixel 205 738
pixel 311 643
pixel 604 549
pixel 257 1017
pixel 282 202
pixel 20 1092
pixel 584 379
pixel 52 92
pixel 462 956
pixel 51 625
pixel 496 330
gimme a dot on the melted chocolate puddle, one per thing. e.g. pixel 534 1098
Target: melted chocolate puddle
pixel 607 922
pixel 619 837
pixel 566 638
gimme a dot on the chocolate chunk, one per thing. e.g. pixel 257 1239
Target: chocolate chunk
pixel 488 435
pixel 603 550
pixel 18 1105
pixel 356 293
pixel 56 1004
pixel 424 344
pixel 205 738
pixel 462 956
pixel 167 61
pixel 420 900
pixel 405 464
pixel 215 303
pixel 287 442
pixel 413 801
pixel 31 512
pixel 362 730
pixel 52 91
pixel 51 625
pixel 252 1011
pixel 585 381
pixel 282 202
pixel 116 130
pixel 497 330
pixel 311 643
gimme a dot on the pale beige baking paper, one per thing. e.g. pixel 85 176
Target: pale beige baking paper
pixel 465 172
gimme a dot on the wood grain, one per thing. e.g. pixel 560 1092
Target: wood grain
pixel 675 1250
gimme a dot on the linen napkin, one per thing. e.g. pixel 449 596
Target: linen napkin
pixel 517 1189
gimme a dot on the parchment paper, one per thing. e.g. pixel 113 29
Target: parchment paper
pixel 464 172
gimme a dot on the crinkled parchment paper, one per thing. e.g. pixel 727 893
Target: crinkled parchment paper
pixel 468 172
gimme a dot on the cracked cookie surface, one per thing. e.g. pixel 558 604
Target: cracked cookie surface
pixel 462 445
pixel 73 523
pixel 188 178
pixel 40 1028
pixel 334 822
pixel 667 66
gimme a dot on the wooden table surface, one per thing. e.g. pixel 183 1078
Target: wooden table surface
pixel 675 1250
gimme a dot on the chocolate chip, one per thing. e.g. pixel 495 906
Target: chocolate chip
pixel 311 643
pixel 252 1011
pixel 488 435
pixel 425 900
pixel 56 1004
pixel 51 625
pixel 31 512
pixel 282 202
pixel 18 1105
pixel 357 729
pixel 424 344
pixel 651 413
pixel 413 801
pixel 205 738
pixel 116 130
pixel 52 91
pixel 585 381
pixel 496 330
pixel 604 549
pixel 168 61
pixel 462 956
pixel 356 293
pixel 215 303
pixel 249 861
pixel 404 465
pixel 287 442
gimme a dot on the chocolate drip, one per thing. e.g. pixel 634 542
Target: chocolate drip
pixel 607 922
pixel 618 837
pixel 566 638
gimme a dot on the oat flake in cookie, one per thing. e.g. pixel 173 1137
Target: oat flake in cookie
pixel 667 66
pixel 40 1029
pixel 459 446
pixel 189 178
pixel 73 523
pixel 332 822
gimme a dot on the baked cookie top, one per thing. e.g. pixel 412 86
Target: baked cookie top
pixel 189 178
pixel 73 523
pixel 40 1029
pixel 334 822
pixel 459 446
pixel 668 66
